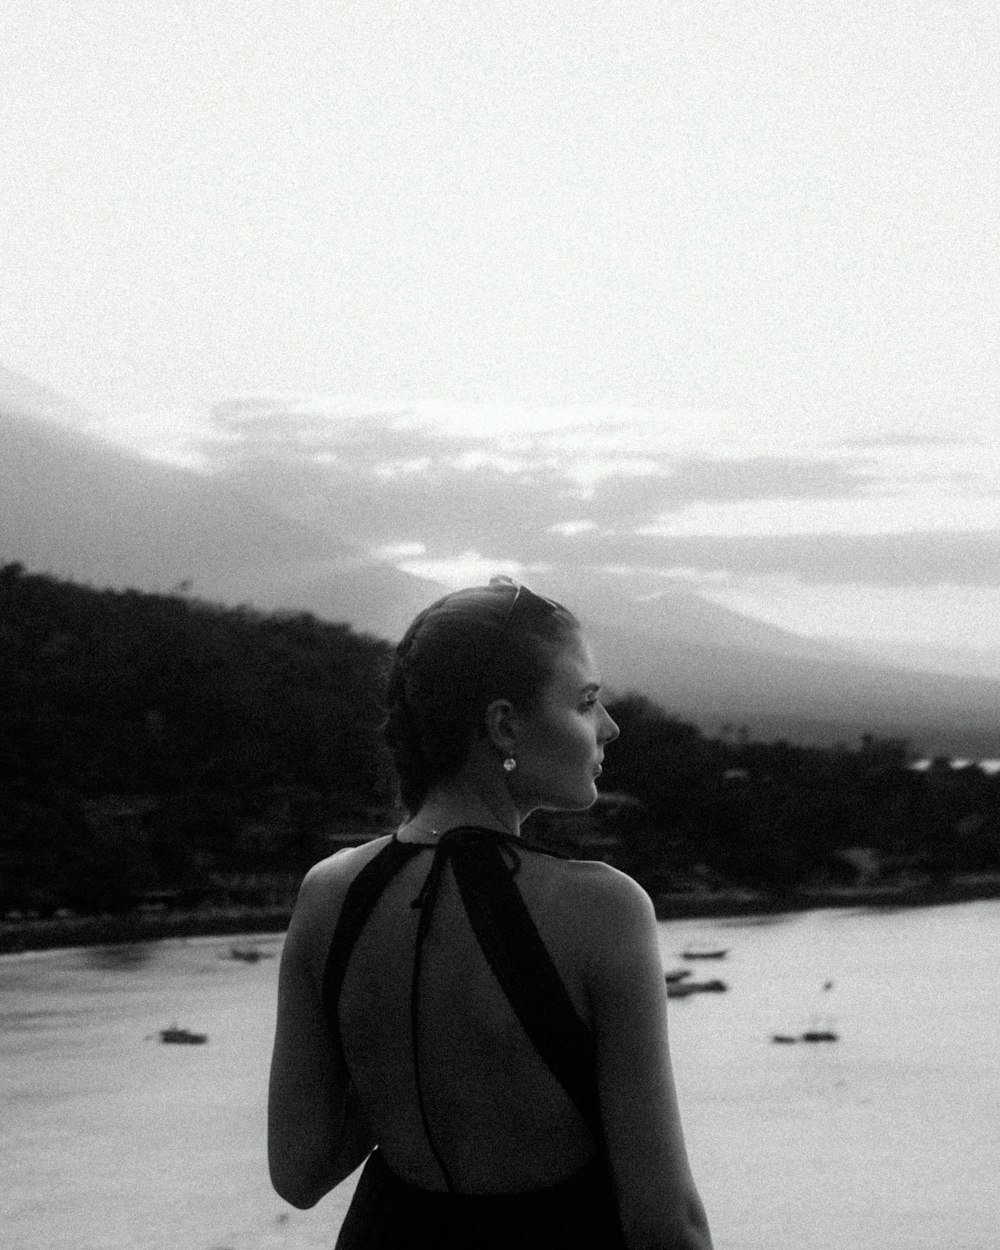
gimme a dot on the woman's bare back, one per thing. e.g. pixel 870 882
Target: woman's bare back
pixel 499 1117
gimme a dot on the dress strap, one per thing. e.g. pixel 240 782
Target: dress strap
pixel 521 962
pixel 359 902
pixel 424 902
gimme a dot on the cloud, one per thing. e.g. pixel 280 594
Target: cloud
pixel 915 559
pixel 692 480
pixel 623 469
pixel 441 486
pixel 902 439
pixel 433 483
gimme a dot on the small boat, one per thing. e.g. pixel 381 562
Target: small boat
pixel 182 1036
pixel 681 989
pixel 820 1030
pixel 249 954
pixel 703 952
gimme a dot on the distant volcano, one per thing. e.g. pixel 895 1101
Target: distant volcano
pixel 78 507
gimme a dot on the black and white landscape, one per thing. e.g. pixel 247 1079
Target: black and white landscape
pixel 77 506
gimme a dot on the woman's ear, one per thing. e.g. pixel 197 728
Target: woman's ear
pixel 499 721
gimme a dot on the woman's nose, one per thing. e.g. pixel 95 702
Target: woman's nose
pixel 611 730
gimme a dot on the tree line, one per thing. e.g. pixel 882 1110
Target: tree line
pixel 156 749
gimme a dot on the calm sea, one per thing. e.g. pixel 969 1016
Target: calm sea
pixel 887 1138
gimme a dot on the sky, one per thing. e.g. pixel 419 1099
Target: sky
pixel 702 293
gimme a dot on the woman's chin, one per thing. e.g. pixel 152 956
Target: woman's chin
pixel 587 798
pixel 576 800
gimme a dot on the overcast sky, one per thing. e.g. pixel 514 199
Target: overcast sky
pixel 707 291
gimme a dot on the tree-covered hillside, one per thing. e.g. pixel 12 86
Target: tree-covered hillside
pixel 148 742
pixel 158 749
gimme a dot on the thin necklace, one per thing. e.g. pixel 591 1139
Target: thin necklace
pixel 418 827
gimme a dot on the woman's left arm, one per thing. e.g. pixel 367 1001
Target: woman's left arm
pixel 316 1135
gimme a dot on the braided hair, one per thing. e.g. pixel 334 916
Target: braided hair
pixel 458 655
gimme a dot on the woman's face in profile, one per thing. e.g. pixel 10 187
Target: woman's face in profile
pixel 561 743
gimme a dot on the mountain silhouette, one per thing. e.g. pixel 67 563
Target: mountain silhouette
pixel 723 670
pixel 79 507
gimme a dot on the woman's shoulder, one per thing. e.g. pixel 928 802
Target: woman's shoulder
pixel 325 886
pixel 320 899
pixel 605 887
pixel 596 903
pixel 603 934
pixel 331 877
pixel 344 864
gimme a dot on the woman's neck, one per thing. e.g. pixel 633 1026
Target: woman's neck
pixel 448 807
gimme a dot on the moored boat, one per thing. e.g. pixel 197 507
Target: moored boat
pixel 182 1036
pixel 249 954
pixel 703 952
pixel 682 989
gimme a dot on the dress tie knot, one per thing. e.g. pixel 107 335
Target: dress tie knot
pixel 465 835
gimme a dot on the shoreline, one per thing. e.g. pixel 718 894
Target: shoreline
pixel 18 937
pixel 64 932
pixel 963 888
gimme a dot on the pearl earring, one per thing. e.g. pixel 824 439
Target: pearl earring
pixel 509 764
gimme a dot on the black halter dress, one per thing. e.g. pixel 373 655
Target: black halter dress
pixel 390 1213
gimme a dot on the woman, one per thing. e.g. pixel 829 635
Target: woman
pixel 485 1021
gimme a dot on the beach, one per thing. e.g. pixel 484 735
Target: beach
pixel 147 926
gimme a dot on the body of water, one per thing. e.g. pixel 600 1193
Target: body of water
pixel 886 1138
